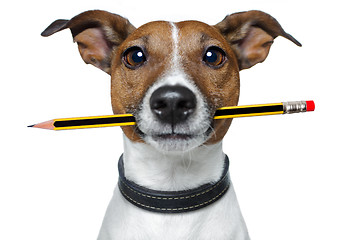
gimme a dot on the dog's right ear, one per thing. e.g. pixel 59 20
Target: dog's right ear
pixel 97 33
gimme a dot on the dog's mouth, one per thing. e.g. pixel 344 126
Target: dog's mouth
pixel 164 136
pixel 173 136
pixel 182 136
pixel 176 141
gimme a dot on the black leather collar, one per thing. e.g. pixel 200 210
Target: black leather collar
pixel 173 201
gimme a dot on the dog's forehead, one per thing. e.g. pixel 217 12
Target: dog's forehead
pixel 152 33
pixel 198 30
pixel 161 32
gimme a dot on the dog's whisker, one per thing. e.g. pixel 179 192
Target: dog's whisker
pixel 190 161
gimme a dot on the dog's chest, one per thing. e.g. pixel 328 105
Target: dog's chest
pixel 222 220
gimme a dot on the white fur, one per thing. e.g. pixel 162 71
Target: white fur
pixel 173 166
pixel 175 37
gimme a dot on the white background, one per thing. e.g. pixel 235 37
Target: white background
pixel 297 177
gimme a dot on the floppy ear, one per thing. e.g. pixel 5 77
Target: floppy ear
pixel 97 33
pixel 251 35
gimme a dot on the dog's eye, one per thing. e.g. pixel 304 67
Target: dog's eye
pixel 214 56
pixel 134 57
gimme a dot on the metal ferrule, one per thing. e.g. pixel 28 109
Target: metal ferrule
pixel 294 107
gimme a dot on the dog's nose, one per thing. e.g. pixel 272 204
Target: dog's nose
pixel 172 104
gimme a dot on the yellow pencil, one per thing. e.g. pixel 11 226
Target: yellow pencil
pixel 221 113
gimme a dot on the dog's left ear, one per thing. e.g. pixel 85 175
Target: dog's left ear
pixel 251 35
pixel 97 34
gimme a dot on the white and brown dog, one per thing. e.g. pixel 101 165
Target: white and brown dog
pixel 174 181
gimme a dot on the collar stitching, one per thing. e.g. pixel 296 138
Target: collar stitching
pixel 174 198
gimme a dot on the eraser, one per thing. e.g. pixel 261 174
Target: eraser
pixel 310 106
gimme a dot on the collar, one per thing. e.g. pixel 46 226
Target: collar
pixel 173 201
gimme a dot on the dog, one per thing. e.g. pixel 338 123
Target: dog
pixel 174 181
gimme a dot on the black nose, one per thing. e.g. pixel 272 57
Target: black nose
pixel 172 104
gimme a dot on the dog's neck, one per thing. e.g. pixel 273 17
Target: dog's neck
pixel 169 171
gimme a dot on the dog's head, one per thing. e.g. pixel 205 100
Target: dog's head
pixel 173 76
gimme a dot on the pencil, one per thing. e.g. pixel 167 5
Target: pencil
pixel 221 113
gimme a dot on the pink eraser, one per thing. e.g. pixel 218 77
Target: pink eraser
pixel 310 106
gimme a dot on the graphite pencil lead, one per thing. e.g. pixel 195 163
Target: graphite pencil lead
pixel 31 125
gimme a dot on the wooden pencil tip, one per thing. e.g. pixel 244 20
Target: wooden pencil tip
pixel 31 125
pixel 44 125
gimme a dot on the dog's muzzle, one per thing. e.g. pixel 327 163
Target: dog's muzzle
pixel 174 117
